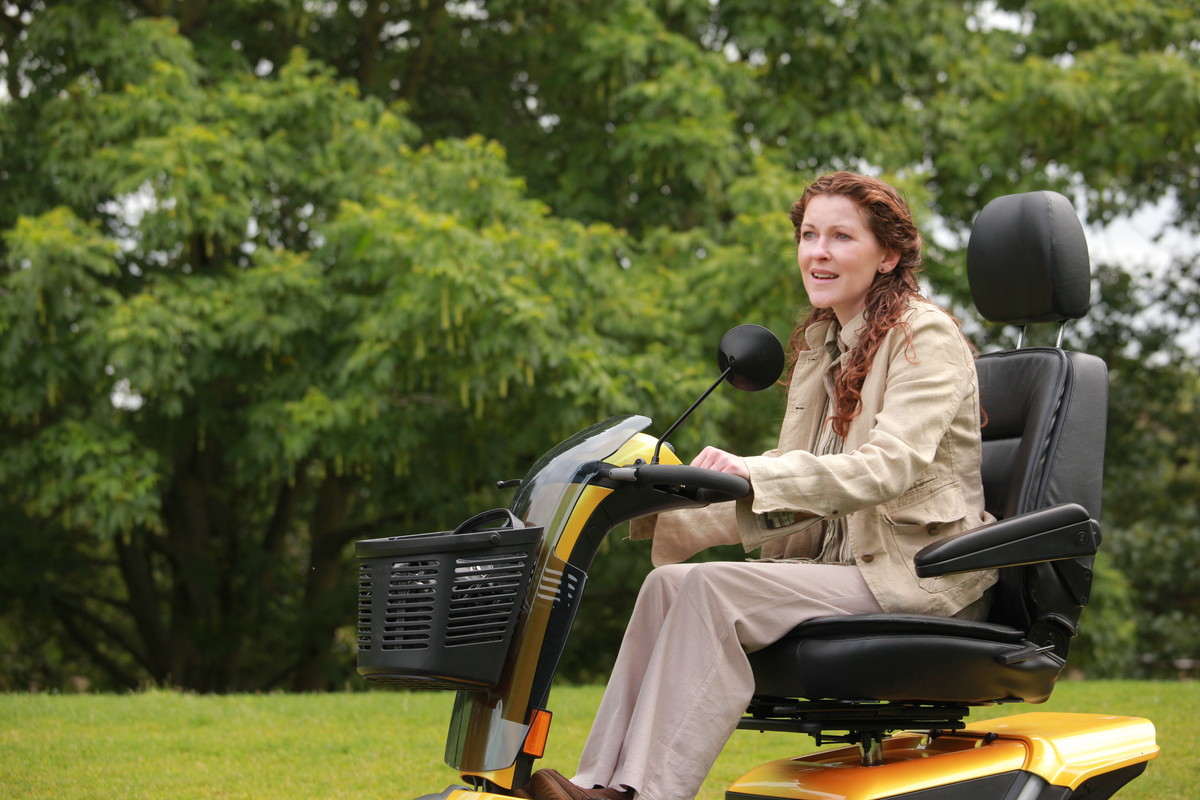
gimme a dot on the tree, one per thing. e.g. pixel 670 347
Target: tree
pixel 279 275
pixel 254 322
pixel 1141 329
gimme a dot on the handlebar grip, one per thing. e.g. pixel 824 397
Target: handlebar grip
pixel 728 487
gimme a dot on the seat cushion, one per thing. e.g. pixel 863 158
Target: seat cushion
pixel 897 657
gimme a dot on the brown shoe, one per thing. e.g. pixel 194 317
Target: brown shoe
pixel 547 784
pixel 542 787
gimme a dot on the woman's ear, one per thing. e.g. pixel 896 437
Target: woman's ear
pixel 890 260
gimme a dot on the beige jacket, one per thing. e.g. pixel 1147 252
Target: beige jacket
pixel 908 473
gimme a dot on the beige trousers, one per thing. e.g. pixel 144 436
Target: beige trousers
pixel 682 680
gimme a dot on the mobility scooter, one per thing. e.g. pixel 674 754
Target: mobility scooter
pixel 486 610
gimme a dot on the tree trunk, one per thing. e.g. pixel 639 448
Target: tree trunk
pixel 201 639
pixel 322 607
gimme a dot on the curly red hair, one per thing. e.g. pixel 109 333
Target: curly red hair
pixel 891 222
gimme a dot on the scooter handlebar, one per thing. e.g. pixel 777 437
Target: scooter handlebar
pixel 709 486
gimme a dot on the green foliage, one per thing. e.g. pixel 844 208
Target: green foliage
pixel 278 274
pixel 283 325
pixel 1108 638
pixel 1152 466
pixel 1164 559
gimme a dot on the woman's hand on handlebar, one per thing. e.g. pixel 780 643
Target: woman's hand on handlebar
pixel 720 461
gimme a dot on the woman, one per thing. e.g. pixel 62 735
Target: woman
pixel 878 455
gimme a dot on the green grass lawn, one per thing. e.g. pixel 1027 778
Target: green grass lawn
pixel 378 745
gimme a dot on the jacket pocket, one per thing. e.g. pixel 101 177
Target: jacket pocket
pixel 928 510
pixel 927 507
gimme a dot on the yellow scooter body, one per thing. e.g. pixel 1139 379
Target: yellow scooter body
pixel 1064 750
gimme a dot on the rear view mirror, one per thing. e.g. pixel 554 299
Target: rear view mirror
pixel 752 356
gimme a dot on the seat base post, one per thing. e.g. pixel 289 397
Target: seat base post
pixel 863 723
pixel 870 746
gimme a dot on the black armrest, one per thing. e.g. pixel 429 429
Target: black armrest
pixel 1048 534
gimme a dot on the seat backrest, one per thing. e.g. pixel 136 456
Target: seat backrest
pixel 1043 441
pixel 1046 408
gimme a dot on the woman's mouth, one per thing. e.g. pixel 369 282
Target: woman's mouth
pixel 822 276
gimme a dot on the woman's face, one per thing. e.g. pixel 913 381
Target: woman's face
pixel 839 256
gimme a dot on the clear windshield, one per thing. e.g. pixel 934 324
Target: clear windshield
pixel 561 472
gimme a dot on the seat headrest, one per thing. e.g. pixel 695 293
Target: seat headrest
pixel 1027 260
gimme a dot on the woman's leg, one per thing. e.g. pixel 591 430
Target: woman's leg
pixel 682 679
pixel 602 752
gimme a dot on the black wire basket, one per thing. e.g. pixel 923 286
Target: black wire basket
pixel 438 610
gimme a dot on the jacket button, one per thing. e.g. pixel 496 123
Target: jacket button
pixel 868 558
pixel 935 529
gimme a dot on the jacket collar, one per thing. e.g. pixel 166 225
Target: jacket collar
pixel 822 334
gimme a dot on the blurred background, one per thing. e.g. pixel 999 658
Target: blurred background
pixel 277 275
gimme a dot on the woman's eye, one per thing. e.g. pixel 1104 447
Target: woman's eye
pixel 808 235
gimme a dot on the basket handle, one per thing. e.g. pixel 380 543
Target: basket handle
pixel 487 517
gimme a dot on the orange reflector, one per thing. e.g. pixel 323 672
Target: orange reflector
pixel 539 731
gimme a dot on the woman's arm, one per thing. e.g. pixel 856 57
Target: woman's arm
pixel 923 388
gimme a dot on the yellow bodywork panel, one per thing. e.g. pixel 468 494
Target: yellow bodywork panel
pixel 910 763
pixel 1064 749
pixel 1068 749
pixel 589 498
pixel 500 777
pixel 641 447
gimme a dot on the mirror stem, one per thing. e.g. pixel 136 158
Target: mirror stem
pixel 688 413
